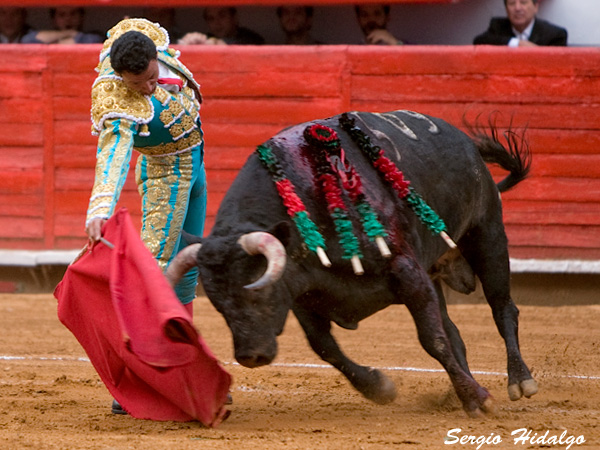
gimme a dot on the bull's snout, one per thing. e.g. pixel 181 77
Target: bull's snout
pixel 256 352
pixel 252 361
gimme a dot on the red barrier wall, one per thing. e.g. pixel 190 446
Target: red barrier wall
pixel 48 154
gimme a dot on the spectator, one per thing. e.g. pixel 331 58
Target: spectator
pixel 68 26
pixel 223 24
pixel 166 17
pixel 522 28
pixel 196 38
pixel 296 23
pixel 373 20
pixel 13 25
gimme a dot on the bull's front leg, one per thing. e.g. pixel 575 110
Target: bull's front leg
pixel 371 383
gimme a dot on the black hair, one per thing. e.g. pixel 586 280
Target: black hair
pixel 534 2
pixel 232 11
pixel 308 10
pixel 53 12
pixel 132 52
pixel 386 9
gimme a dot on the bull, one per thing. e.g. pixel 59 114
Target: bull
pixel 256 265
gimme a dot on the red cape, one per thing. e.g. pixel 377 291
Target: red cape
pixel 137 334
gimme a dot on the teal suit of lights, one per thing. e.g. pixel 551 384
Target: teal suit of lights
pixel 165 128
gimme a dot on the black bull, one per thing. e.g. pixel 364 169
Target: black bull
pixel 447 168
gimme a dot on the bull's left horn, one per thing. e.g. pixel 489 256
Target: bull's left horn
pixel 183 261
pixel 260 242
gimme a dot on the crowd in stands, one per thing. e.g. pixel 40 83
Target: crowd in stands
pixel 520 27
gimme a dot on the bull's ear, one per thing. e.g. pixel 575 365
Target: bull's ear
pixel 282 232
pixel 190 238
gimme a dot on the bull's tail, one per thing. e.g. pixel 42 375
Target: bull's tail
pixel 515 157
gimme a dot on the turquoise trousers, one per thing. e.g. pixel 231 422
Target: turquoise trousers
pixel 173 191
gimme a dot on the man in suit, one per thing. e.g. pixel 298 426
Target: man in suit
pixel 522 28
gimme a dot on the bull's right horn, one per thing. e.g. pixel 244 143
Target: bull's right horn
pixel 260 242
pixel 182 263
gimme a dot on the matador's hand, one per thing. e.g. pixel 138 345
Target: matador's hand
pixel 94 229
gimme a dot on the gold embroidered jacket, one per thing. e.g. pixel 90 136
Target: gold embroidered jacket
pixel 162 124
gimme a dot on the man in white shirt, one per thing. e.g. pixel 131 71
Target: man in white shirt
pixel 522 28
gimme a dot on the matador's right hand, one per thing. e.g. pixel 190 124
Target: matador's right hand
pixel 94 229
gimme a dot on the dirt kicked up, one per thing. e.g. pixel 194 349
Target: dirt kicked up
pixel 51 397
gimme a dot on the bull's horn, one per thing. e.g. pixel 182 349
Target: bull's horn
pixel 183 261
pixel 260 242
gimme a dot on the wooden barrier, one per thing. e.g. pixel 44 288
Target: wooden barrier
pixel 250 93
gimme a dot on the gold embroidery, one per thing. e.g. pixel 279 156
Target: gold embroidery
pixel 163 220
pixel 114 153
pixel 185 167
pixel 176 131
pixel 111 98
pixel 189 101
pixel 162 95
pixel 188 123
pixel 189 92
pixel 100 204
pixel 176 108
pixel 187 104
pixel 171 114
pixel 186 143
pixel 166 116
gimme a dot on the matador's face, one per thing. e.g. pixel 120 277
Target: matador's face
pixel 145 82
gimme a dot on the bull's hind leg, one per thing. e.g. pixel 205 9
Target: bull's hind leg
pixel 486 250
pixel 418 294
pixel 458 345
pixel 371 383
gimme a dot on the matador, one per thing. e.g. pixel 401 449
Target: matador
pixel 145 99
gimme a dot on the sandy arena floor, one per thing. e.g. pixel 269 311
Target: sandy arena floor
pixel 51 397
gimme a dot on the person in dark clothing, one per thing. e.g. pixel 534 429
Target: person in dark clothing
pixel 223 24
pixel 13 25
pixel 296 24
pixel 373 20
pixel 522 28
pixel 68 29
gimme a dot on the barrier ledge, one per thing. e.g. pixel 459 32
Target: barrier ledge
pixel 33 258
pixel 572 266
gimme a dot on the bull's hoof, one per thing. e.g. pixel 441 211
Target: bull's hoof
pixel 382 391
pixel 488 407
pixel 526 388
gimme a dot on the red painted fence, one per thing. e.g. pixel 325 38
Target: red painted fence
pixel 48 154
